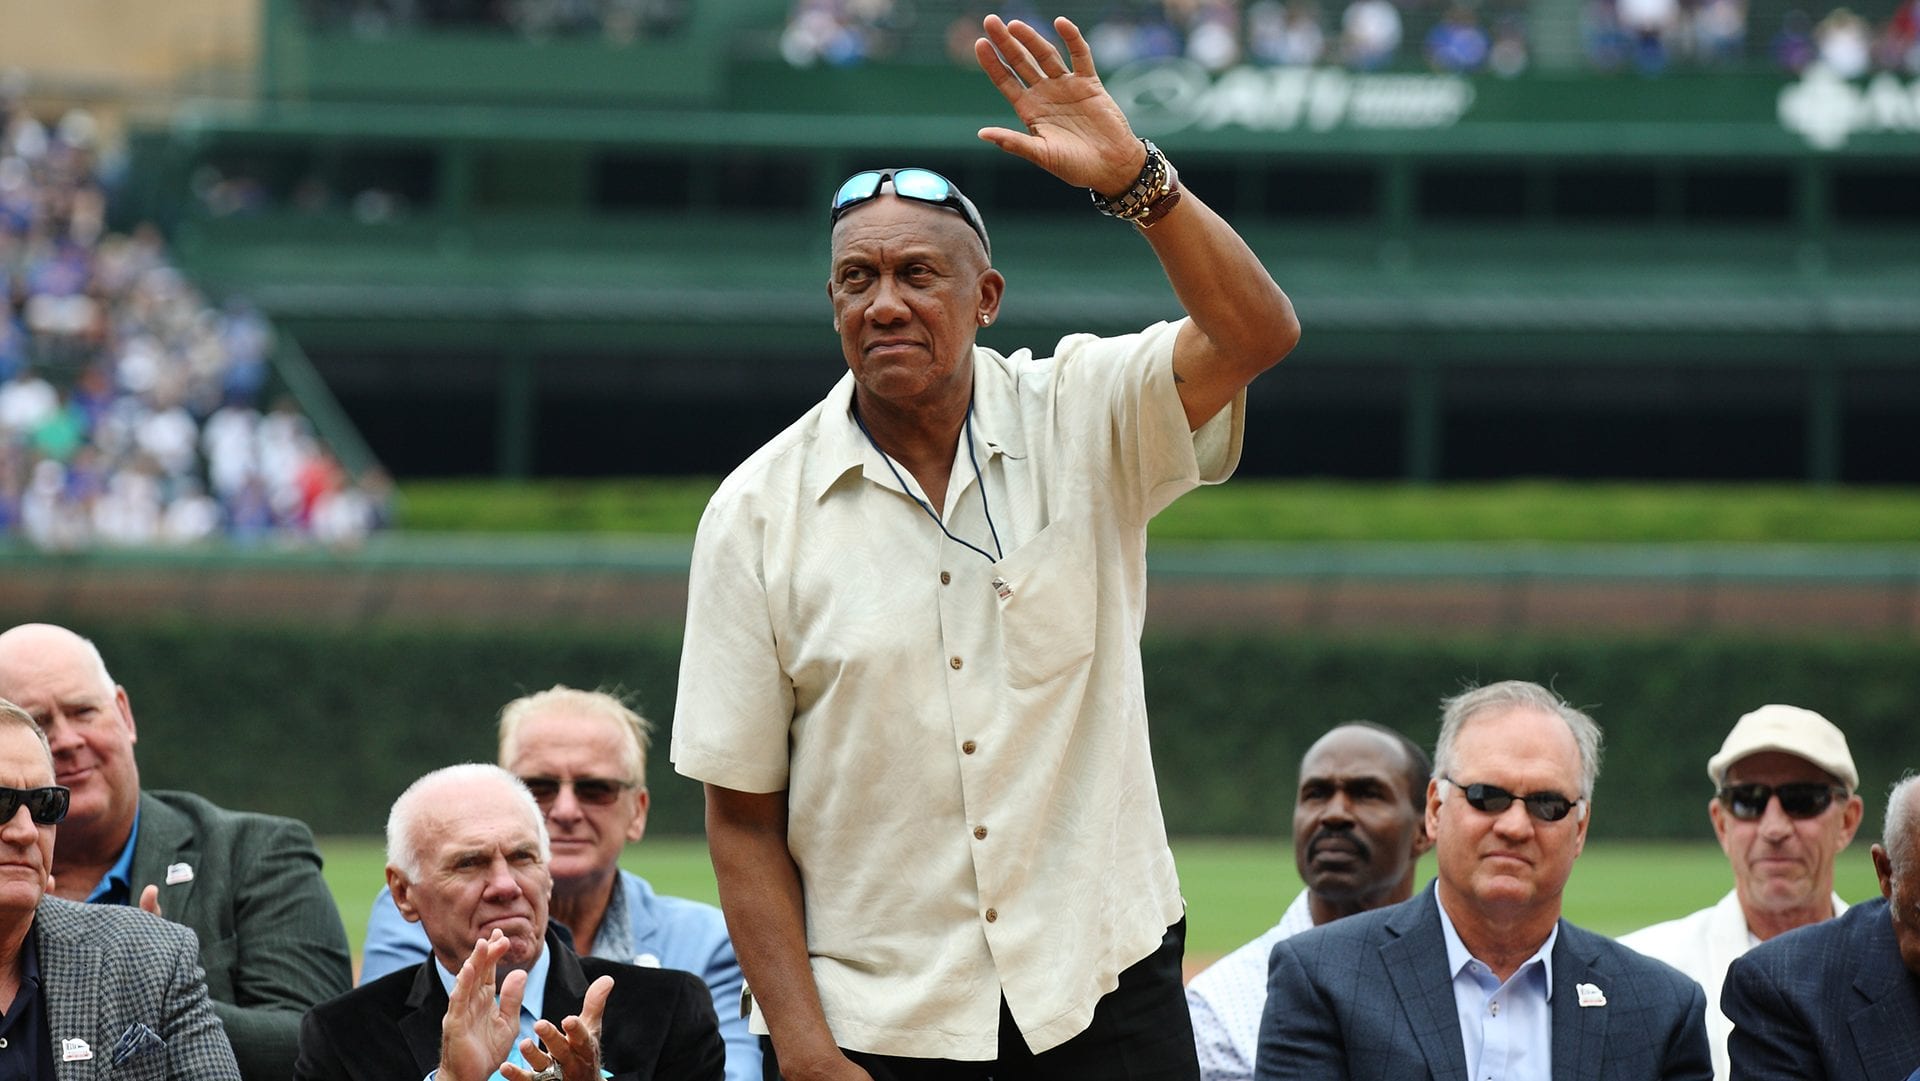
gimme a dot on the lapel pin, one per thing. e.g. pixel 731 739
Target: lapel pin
pixel 178 873
pixel 646 960
pixel 1590 995
pixel 75 1049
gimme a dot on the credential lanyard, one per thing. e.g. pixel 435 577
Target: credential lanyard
pixel 979 481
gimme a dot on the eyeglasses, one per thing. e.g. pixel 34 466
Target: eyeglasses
pixel 598 791
pixel 1545 806
pixel 47 806
pixel 923 185
pixel 1801 799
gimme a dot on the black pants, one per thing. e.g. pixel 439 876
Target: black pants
pixel 1140 1032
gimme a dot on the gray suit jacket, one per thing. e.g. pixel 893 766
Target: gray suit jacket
pixel 106 970
pixel 1826 1002
pixel 1369 998
pixel 270 937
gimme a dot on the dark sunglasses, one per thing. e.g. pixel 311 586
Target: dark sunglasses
pixel 598 791
pixel 1545 806
pixel 47 805
pixel 1801 799
pixel 924 185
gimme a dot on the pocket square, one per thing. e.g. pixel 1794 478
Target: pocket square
pixel 136 1041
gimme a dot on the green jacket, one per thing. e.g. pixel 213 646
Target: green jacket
pixel 249 886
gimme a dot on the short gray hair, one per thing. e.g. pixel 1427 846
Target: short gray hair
pixel 1897 837
pixel 1512 694
pixel 414 809
pixel 636 732
pixel 20 718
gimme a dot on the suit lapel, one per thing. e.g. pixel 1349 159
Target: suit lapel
pixel 426 1009
pixel 1414 954
pixel 1886 1032
pixel 166 838
pixel 566 984
pixel 74 1001
pixel 1579 1033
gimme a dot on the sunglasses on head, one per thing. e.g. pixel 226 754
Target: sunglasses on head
pixel 598 791
pixel 1545 806
pixel 923 185
pixel 1800 799
pixel 47 805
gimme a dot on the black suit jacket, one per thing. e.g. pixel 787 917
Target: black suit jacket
pixel 659 1024
pixel 1369 998
pixel 1825 1002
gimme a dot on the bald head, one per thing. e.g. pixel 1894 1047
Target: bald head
pixel 62 682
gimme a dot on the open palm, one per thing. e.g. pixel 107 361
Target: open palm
pixel 1075 130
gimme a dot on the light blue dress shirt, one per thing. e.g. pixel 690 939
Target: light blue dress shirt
pixel 1507 1028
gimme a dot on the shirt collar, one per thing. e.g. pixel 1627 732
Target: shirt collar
pixel 533 1003
pixel 116 886
pixel 841 447
pixel 1458 957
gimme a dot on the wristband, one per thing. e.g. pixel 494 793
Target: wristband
pixel 1154 193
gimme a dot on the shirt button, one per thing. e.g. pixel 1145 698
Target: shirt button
pixel 992 915
pixel 955 662
pixel 979 833
pixel 968 747
pixel 945 578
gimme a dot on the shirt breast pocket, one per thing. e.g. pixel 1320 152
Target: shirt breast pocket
pixel 1049 595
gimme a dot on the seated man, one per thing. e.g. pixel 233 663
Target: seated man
pixel 1784 809
pixel 89 990
pixel 1359 827
pixel 1479 976
pixel 467 858
pixel 1839 999
pixel 583 754
pixel 247 885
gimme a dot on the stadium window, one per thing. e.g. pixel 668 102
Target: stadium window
pixel 1348 193
pixel 653 181
pixel 1737 195
pixel 1609 193
pixel 1472 193
pixel 1863 195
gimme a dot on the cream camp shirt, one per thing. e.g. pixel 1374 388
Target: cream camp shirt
pixel 963 740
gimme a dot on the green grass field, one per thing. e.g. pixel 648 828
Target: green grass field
pixel 1294 511
pixel 1234 888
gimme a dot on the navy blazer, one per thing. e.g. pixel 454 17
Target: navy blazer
pixel 659 1023
pixel 1831 1000
pixel 1369 998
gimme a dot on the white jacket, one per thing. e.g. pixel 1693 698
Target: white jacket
pixel 1702 945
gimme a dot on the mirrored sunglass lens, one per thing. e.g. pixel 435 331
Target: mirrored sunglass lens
pixel 47 805
pixel 1804 800
pixel 857 187
pixel 1485 797
pixel 1548 807
pixel 922 184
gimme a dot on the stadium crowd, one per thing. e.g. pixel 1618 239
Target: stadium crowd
pixel 616 21
pixel 133 412
pixel 1495 36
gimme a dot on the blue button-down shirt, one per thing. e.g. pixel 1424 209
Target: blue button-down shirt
pixel 116 886
pixel 1506 1028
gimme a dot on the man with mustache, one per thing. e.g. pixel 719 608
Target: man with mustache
pixel 1358 831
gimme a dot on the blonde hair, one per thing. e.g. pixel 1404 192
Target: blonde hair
pixel 607 705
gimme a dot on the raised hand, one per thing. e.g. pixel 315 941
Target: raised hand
pixel 477 1034
pixel 573 1045
pixel 1075 130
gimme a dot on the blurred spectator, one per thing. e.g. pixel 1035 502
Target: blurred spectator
pixel 1792 46
pixel 1289 35
pixel 1508 57
pixel 1213 35
pixel 839 33
pixel 1649 27
pixel 1370 34
pixel 619 21
pixel 1898 48
pixel 1456 43
pixel 1720 32
pixel 110 361
pixel 1844 44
